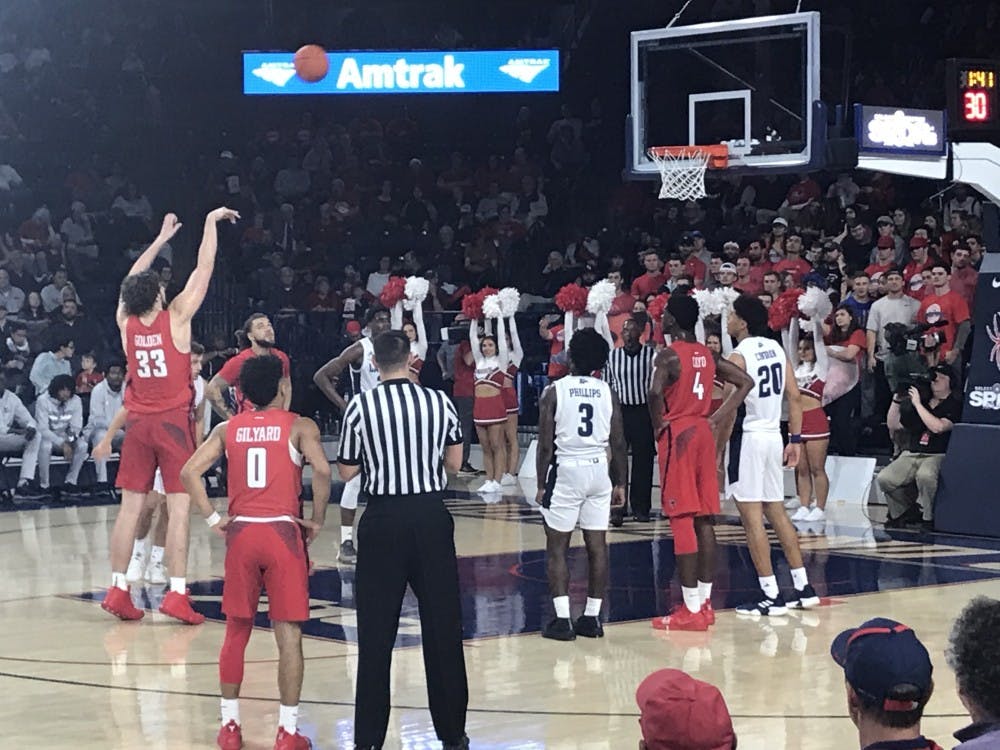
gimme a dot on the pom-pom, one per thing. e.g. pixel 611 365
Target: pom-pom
pixel 782 309
pixel 393 291
pixel 472 306
pixel 491 306
pixel 814 303
pixel 728 296
pixel 707 303
pixel 656 307
pixel 572 298
pixel 510 300
pixel 600 297
pixel 417 288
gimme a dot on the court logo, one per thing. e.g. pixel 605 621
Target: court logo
pixel 278 73
pixel 525 69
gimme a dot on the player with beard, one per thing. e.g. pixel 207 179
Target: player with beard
pixel 360 354
pixel 260 333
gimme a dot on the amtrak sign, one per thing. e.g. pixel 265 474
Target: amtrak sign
pixel 915 132
pixel 458 72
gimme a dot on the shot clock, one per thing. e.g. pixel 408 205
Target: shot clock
pixel 973 90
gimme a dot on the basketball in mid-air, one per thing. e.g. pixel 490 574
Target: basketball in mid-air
pixel 311 63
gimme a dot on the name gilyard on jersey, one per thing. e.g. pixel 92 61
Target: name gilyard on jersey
pixel 258 435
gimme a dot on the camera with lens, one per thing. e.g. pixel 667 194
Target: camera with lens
pixel 905 366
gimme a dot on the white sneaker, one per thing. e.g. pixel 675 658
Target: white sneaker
pixel 792 503
pixel 508 480
pixel 816 514
pixel 135 567
pixel 156 574
pixel 802 514
pixel 490 486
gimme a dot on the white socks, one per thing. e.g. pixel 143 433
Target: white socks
pixel 769 585
pixel 561 604
pixel 118 580
pixel 799 578
pixel 705 592
pixel 231 710
pixel 156 556
pixel 346 533
pixel 692 599
pixel 139 547
pixel 593 608
pixel 178 585
pixel 288 718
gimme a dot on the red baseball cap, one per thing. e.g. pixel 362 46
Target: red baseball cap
pixel 678 712
pixel 884 242
pixel 918 241
pixel 353 326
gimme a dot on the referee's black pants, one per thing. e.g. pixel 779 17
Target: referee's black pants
pixel 639 438
pixel 408 539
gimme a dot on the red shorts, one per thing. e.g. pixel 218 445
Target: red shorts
pixel 271 556
pixel 487 410
pixel 164 440
pixel 688 474
pixel 815 425
pixel 510 399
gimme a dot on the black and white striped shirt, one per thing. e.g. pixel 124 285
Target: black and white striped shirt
pixel 629 375
pixel 397 432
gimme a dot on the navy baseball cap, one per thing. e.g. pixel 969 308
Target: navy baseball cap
pixel 884 661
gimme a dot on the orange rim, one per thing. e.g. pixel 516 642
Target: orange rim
pixel 718 155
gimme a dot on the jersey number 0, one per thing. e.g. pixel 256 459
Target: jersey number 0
pixel 257 468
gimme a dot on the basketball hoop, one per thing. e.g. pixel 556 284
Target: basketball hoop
pixel 682 168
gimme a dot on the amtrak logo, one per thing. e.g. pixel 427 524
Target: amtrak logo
pixel 278 73
pixel 525 69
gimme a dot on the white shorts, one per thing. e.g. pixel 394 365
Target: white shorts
pixel 578 490
pixel 754 467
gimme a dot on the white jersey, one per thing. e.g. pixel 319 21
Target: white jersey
pixel 583 417
pixel 368 373
pixel 766 364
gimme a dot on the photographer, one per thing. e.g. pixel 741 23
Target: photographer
pixel 893 308
pixel 927 419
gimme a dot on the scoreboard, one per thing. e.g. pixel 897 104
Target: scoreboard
pixel 973 92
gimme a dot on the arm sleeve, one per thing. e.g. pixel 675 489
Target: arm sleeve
pixel 516 352
pixel 76 416
pixel 418 323
pixel 477 354
pixel 727 340
pixel 453 435
pixel 822 357
pixel 502 351
pixel 350 437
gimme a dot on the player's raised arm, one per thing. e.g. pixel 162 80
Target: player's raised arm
pixel 171 225
pixel 186 304
pixel 326 376
pixel 203 459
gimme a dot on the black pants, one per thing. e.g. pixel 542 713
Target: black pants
pixel 639 438
pixel 844 424
pixel 404 540
pixel 463 404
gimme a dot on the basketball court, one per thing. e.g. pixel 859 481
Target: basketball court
pixel 751 86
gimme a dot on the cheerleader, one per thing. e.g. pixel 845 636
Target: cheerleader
pixel 811 368
pixel 510 401
pixel 489 411
pixel 417 335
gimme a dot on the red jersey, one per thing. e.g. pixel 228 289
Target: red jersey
pixel 464 373
pixel 691 394
pixel 265 470
pixel 159 376
pixel 230 372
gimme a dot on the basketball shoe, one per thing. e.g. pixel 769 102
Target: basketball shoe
pixel 179 607
pixel 230 736
pixel 286 741
pixel 706 608
pixel 118 602
pixel 682 618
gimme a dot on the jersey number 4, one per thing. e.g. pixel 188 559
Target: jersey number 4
pixel 257 468
pixel 770 380
pixel 152 363
pixel 586 420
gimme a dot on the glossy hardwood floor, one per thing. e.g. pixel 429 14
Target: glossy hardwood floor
pixel 72 677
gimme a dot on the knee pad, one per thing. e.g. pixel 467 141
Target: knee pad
pixel 349 498
pixel 685 540
pixel 234 647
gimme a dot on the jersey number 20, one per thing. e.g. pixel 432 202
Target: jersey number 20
pixel 151 363
pixel 257 468
pixel 770 378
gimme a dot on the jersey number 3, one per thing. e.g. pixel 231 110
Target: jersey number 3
pixel 586 420
pixel 151 363
pixel 770 380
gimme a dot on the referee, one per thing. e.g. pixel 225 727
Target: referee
pixel 629 373
pixel 401 438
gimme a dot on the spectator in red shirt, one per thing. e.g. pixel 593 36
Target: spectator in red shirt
pixel 744 278
pixel 950 307
pixel 803 196
pixel 653 279
pixel 621 307
pixel 847 343
pixel 913 273
pixel 759 265
pixel 885 259
pixel 793 261
pixel 554 335
pixel 693 265
pixel 963 275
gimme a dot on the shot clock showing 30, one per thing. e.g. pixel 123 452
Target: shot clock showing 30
pixel 973 96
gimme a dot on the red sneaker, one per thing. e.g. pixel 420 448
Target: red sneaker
pixel 179 607
pixel 682 619
pixel 230 736
pixel 118 602
pixel 286 741
pixel 709 613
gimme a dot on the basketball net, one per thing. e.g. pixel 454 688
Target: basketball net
pixel 682 172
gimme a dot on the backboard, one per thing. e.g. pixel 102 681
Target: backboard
pixel 752 84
